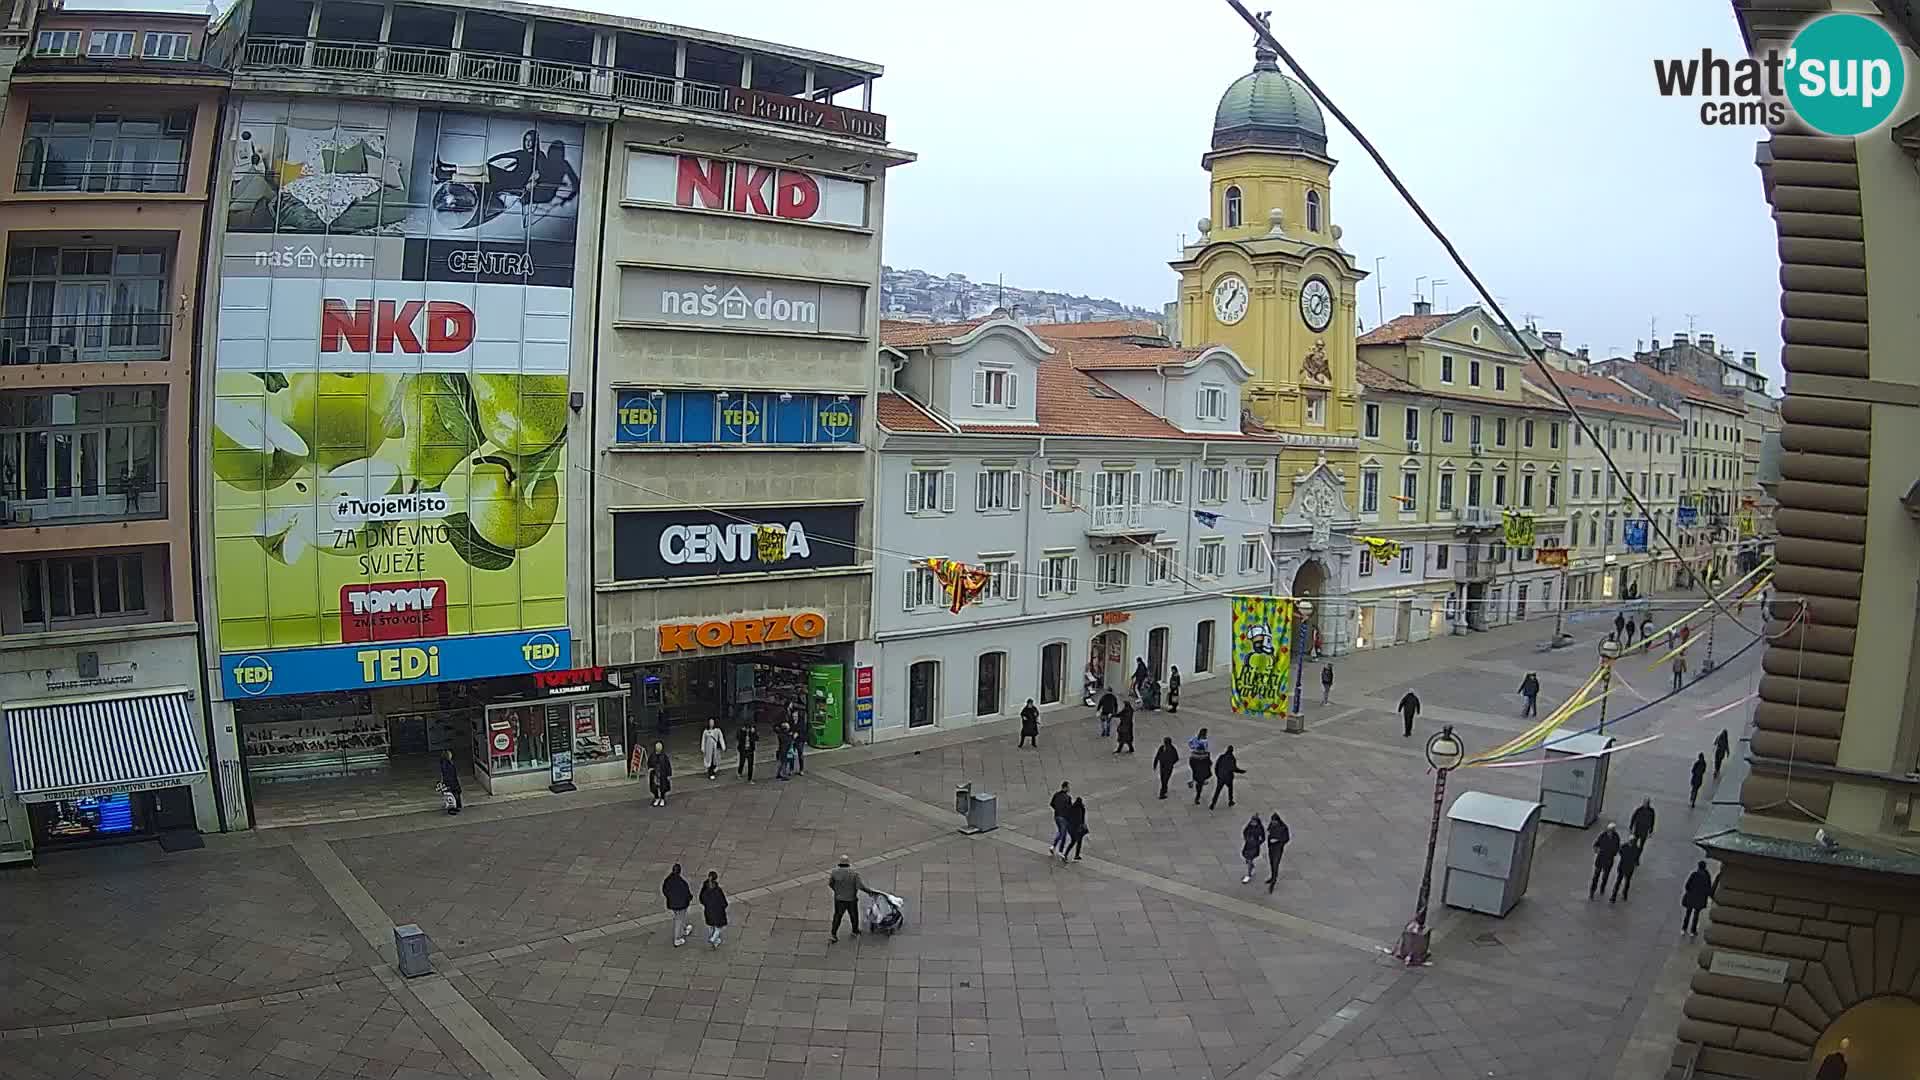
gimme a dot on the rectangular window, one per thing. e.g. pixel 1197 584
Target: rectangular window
pixel 1210 558
pixel 1253 554
pixel 1499 377
pixel 110 44
pixel 922 591
pixel 1576 434
pixel 1499 489
pixel 930 491
pixel 68 589
pixel 57 43
pixel 1213 484
pixel 1370 491
pixel 1316 409
pixel 105 304
pixel 1613 487
pixel 1446 427
pixel 82 454
pixel 1576 479
pixel 1499 431
pixel 1446 491
pixel 1594 487
pixel 1366 561
pixel 1473 490
pixel 1213 402
pixel 1254 482
pixel 1553 489
pixel 1473 430
pixel 1003 577
pixel 164 46
pixel 1442 555
pixel 1446 369
pixel 1116 498
pixel 1609 528
pixel 1203 646
pixel 1526 433
pixel 1062 490
pixel 996 387
pixel 1372 415
pixel 1170 485
pixel 1473 373
pixel 1163 562
pixel 1409 492
pixel 1059 574
pixel 997 489
pixel 1406 558
pixel 1113 570
pixel 1526 489
pixel 1413 425
pixel 1613 438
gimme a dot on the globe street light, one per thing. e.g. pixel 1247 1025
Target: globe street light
pixel 1445 753
pixel 1304 609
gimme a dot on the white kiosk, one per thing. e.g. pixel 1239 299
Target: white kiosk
pixel 1572 785
pixel 1489 852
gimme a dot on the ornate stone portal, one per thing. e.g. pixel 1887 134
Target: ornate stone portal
pixel 1306 550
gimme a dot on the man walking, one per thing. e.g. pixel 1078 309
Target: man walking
pixel 797 720
pixel 1605 850
pixel 847 886
pixel 1062 804
pixel 783 748
pixel 1124 740
pixel 1720 751
pixel 713 743
pixel 1530 690
pixel 1699 777
pixel 1200 762
pixel 746 741
pixel 1641 823
pixel 1109 705
pixel 450 779
pixel 1693 898
pixel 1029 726
pixel 679 897
pixel 1409 708
pixel 1326 684
pixel 1164 761
pixel 1277 837
pixel 1224 770
pixel 1620 627
pixel 1629 861
pixel 1679 672
pixel 1173 690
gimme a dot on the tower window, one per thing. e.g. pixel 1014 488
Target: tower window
pixel 1313 211
pixel 1233 208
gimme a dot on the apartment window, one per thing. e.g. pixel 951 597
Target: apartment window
pixel 1210 558
pixel 1316 409
pixel 1003 577
pixel 1613 486
pixel 1413 425
pixel 1526 490
pixel 58 43
pixel 1313 211
pixel 1499 489
pixel 1610 521
pixel 1576 434
pixel 1473 490
pixel 1254 481
pixel 1473 373
pixel 1053 672
pixel 1203 646
pixel 1059 574
pixel 1116 497
pixel 1409 491
pixel 1163 562
pixel 1442 555
pixel 1253 554
pixel 1499 377
pixel 1446 369
pixel 163 46
pixel 1233 208
pixel 1369 491
pixel 997 489
pixel 1372 417
pixel 1213 402
pixel 1473 430
pixel 1213 484
pixel 1366 561
pixel 1113 569
pixel 1062 489
pixel 86 304
pixel 1499 431
pixel 110 44
pixel 995 386
pixel 1526 433
pixel 921 590
pixel 930 491
pixel 1643 482
pixel 1553 436
pixel 1406 558
pixel 1446 427
pixel 77 587
pixel 1593 531
pixel 1613 438
pixel 83 453
pixel 1576 483
pixel 990 688
pixel 1595 485
pixel 1170 485
pixel 1446 491
pixel 1553 489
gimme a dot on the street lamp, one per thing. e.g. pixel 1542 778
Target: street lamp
pixel 1609 652
pixel 1445 753
pixel 1296 718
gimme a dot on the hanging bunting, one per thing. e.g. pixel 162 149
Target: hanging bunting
pixel 1518 527
pixel 963 583
pixel 1384 550
pixel 1550 556
pixel 1206 517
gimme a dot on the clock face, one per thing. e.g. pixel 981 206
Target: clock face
pixel 1230 299
pixel 1316 304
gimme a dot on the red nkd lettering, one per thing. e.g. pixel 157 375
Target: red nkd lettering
pixel 796 196
pixel 702 183
pixel 389 325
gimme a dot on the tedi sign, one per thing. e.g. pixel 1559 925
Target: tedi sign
pixel 1844 74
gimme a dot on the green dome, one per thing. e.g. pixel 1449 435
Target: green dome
pixel 1264 108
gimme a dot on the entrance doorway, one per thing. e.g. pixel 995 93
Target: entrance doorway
pixel 1107 661
pixel 923 690
pixel 1520 604
pixel 1308 584
pixel 1157 652
pixel 1403 627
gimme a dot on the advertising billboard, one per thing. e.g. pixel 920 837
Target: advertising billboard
pixel 734 417
pixel 718 185
pixel 391 395
pixel 701 543
pixel 713 301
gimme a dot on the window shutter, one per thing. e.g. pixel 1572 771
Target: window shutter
pixel 1013 389
pixel 979 386
pixel 906 591
pixel 946 490
pixel 914 492
pixel 1016 484
pixel 1079 488
pixel 980 488
pixel 1073 575
pixel 1013 581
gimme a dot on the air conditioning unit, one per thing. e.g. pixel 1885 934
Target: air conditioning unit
pixel 1413 446
pixel 1477 449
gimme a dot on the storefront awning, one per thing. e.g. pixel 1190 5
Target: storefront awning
pixel 70 749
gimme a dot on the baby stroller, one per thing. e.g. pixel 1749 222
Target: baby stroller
pixel 1150 698
pixel 886 913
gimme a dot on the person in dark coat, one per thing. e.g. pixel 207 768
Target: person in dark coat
pixel 1061 804
pixel 1326 684
pixel 713 904
pixel 1076 828
pixel 1109 705
pixel 1694 897
pixel 1278 836
pixel 1699 777
pixel 1173 690
pixel 1623 878
pixel 1409 708
pixel 1140 677
pixel 450 779
pixel 1721 749
pixel 1253 837
pixel 1620 627
pixel 783 746
pixel 1164 761
pixel 1030 725
pixel 1200 761
pixel 659 774
pixel 1530 689
pixel 746 741
pixel 679 895
pixel 1641 823
pixel 1124 740
pixel 1224 771
pixel 1605 850
pixel 1679 666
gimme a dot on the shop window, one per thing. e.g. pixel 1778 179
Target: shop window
pixel 923 691
pixel 990 687
pixel 1053 672
pixel 524 746
pixel 1203 646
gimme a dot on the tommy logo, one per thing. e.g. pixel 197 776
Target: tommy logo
pixel 393 611
pixel 393 325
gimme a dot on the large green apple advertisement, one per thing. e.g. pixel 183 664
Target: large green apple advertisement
pixel 389 425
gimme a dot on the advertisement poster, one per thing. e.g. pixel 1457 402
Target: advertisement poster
pixel 1262 654
pixel 747 540
pixel 1634 532
pixel 391 395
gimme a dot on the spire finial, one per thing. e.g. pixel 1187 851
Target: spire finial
pixel 1264 58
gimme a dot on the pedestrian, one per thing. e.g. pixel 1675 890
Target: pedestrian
pixel 1224 771
pixel 1164 760
pixel 1720 750
pixel 713 743
pixel 1173 690
pixel 713 904
pixel 1253 837
pixel 1200 761
pixel 1699 777
pixel 679 896
pixel 1679 671
pixel 783 766
pixel 1278 836
pixel 1076 829
pixel 1139 677
pixel 1150 699
pixel 1109 705
pixel 1061 804
pixel 1686 632
pixel 659 774
pixel 450 779
pixel 1646 628
pixel 1530 690
pixel 847 886
pixel 1029 725
pixel 745 742
pixel 1125 738
pixel 1317 653
pixel 1409 708
pixel 1641 823
pixel 1605 849
pixel 1090 682
pixel 1629 861
pixel 1694 897
pixel 797 720
pixel 1326 684
pixel 1620 627
pixel 1627 640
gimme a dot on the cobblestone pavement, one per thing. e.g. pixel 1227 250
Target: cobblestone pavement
pixel 267 954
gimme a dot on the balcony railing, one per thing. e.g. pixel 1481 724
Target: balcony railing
pixel 85 339
pixel 79 502
pixel 1117 516
pixel 556 77
pixel 102 176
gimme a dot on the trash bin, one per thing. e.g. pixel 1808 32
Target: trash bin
pixel 411 947
pixel 983 813
pixel 962 799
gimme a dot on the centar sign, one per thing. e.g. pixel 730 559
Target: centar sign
pixel 766 630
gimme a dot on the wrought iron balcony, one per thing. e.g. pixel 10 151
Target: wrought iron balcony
pixel 82 339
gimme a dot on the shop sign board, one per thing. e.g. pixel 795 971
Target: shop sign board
pixel 500 736
pixel 784 629
pixel 863 696
pixel 391 397
pixel 713 301
pixel 799 112
pixel 735 418
pixel 1771 969
pixel 748 540
pixel 560 747
pixel 277 672
pixel 719 185
pixel 569 680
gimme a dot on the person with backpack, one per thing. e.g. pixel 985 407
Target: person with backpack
pixel 1165 760
pixel 1253 837
pixel 1200 761
pixel 1278 836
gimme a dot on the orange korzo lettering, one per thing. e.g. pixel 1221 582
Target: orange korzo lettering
pixel 779 628
pixel 675 637
pixel 748 631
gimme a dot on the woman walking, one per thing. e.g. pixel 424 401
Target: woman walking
pixel 1277 836
pixel 1173 690
pixel 713 743
pixel 1694 897
pixel 659 774
pixel 1252 838
pixel 1200 760
pixel 1164 759
pixel 1076 828
pixel 713 904
pixel 1125 739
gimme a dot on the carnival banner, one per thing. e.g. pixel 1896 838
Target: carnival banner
pixel 1634 532
pixel 1688 516
pixel 1263 628
pixel 1518 527
pixel 1384 550
pixel 1549 556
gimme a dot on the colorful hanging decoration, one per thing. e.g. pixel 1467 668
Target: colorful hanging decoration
pixel 770 543
pixel 1747 525
pixel 1206 517
pixel 1263 632
pixel 1384 550
pixel 1550 556
pixel 1634 532
pixel 1518 527
pixel 963 583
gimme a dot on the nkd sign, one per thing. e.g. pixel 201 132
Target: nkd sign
pixel 736 302
pixel 744 187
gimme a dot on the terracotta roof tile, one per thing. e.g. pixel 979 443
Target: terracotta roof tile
pixel 1405 328
pixel 1593 393
pixel 1678 384
pixel 900 413
pixel 907 335
pixel 1103 328
pixel 1374 378
pixel 1098 355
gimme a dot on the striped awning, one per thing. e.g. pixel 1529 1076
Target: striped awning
pixel 100 746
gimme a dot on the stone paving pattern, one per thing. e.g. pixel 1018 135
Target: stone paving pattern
pixel 1147 961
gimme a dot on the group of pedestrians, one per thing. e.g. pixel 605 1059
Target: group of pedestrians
pixel 1274 835
pixel 1069 822
pixel 1615 860
pixel 1722 746
pixel 713 906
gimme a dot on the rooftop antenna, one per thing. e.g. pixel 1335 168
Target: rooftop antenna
pixel 1001 302
pixel 1436 283
pixel 1690 318
pixel 1416 287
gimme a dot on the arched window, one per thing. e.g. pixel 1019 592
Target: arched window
pixel 1313 211
pixel 1233 208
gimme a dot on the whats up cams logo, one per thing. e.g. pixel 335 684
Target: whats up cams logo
pixel 1841 75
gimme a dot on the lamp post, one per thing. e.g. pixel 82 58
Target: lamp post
pixel 1303 609
pixel 1706 666
pixel 1444 753
pixel 1609 652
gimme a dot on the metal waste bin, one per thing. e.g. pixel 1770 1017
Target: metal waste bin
pixel 410 945
pixel 981 809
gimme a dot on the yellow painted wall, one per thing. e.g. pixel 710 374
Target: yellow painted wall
pixel 1267 180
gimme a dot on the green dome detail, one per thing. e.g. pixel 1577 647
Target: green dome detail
pixel 1264 108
